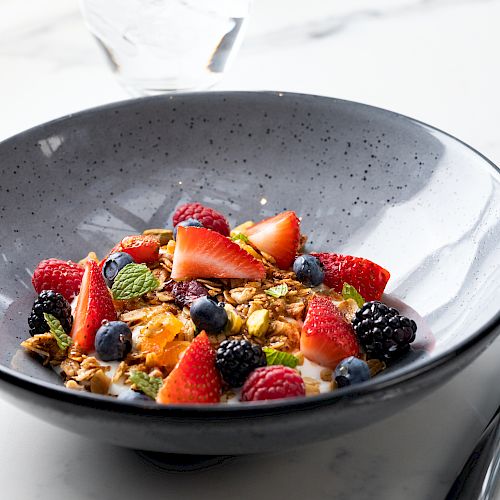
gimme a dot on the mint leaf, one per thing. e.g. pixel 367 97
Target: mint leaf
pixel 240 236
pixel 57 331
pixel 148 385
pixel 275 357
pixel 133 281
pixel 278 291
pixel 349 292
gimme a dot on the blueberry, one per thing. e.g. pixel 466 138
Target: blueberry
pixel 113 341
pixel 187 223
pixel 113 265
pixel 208 315
pixel 350 371
pixel 131 395
pixel 309 270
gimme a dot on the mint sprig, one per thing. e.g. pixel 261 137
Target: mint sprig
pixel 278 291
pixel 57 331
pixel 133 281
pixel 240 236
pixel 275 357
pixel 349 292
pixel 148 385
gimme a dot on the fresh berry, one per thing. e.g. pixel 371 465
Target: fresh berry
pixel 210 218
pixel 195 379
pixel 136 396
pixel 273 382
pixel 326 337
pixel 278 236
pixel 113 340
pixel 350 371
pixel 208 314
pixel 64 277
pixel 236 359
pixel 383 332
pixel 113 265
pixel 185 292
pixel 202 253
pixel 93 307
pixel 144 249
pixel 368 278
pixel 309 270
pixel 49 302
pixel 187 223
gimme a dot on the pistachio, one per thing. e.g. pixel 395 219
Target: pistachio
pixel 234 321
pixel 241 228
pixel 258 323
pixel 164 235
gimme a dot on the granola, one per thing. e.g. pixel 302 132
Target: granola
pixel 260 299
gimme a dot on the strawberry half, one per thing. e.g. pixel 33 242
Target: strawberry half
pixel 326 337
pixel 368 278
pixel 93 307
pixel 143 248
pixel 202 253
pixel 195 379
pixel 278 236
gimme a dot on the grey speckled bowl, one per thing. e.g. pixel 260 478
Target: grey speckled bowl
pixel 366 182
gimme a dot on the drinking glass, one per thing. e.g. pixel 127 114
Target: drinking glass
pixel 156 46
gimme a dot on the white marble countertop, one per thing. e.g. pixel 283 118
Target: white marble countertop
pixel 435 60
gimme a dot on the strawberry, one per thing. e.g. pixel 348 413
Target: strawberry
pixel 203 253
pixel 64 277
pixel 195 378
pixel 368 278
pixel 326 337
pixel 278 236
pixel 144 249
pixel 93 307
pixel 210 218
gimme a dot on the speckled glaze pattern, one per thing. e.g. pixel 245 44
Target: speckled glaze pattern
pixel 365 181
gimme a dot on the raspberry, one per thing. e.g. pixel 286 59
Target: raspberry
pixel 383 332
pixel 236 359
pixel 273 382
pixel 64 277
pixel 210 218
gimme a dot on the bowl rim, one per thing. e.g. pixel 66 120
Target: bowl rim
pixel 261 408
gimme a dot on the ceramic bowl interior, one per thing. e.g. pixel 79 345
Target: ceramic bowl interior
pixel 365 181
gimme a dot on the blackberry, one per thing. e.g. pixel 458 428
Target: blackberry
pixel 49 302
pixel 236 359
pixel 383 332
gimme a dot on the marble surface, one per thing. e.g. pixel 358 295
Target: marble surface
pixel 435 60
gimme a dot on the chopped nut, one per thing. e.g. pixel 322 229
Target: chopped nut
pixel 70 367
pixel 243 294
pixel 234 321
pixel 376 366
pixel 258 323
pixel 295 310
pixel 71 384
pixel 348 309
pixel 163 235
pixel 99 383
pixel 326 374
pixel 312 386
pixel 120 372
pixel 45 345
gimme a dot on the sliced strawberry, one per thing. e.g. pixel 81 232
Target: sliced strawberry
pixel 93 307
pixel 368 278
pixel 144 249
pixel 195 379
pixel 278 236
pixel 203 253
pixel 326 337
